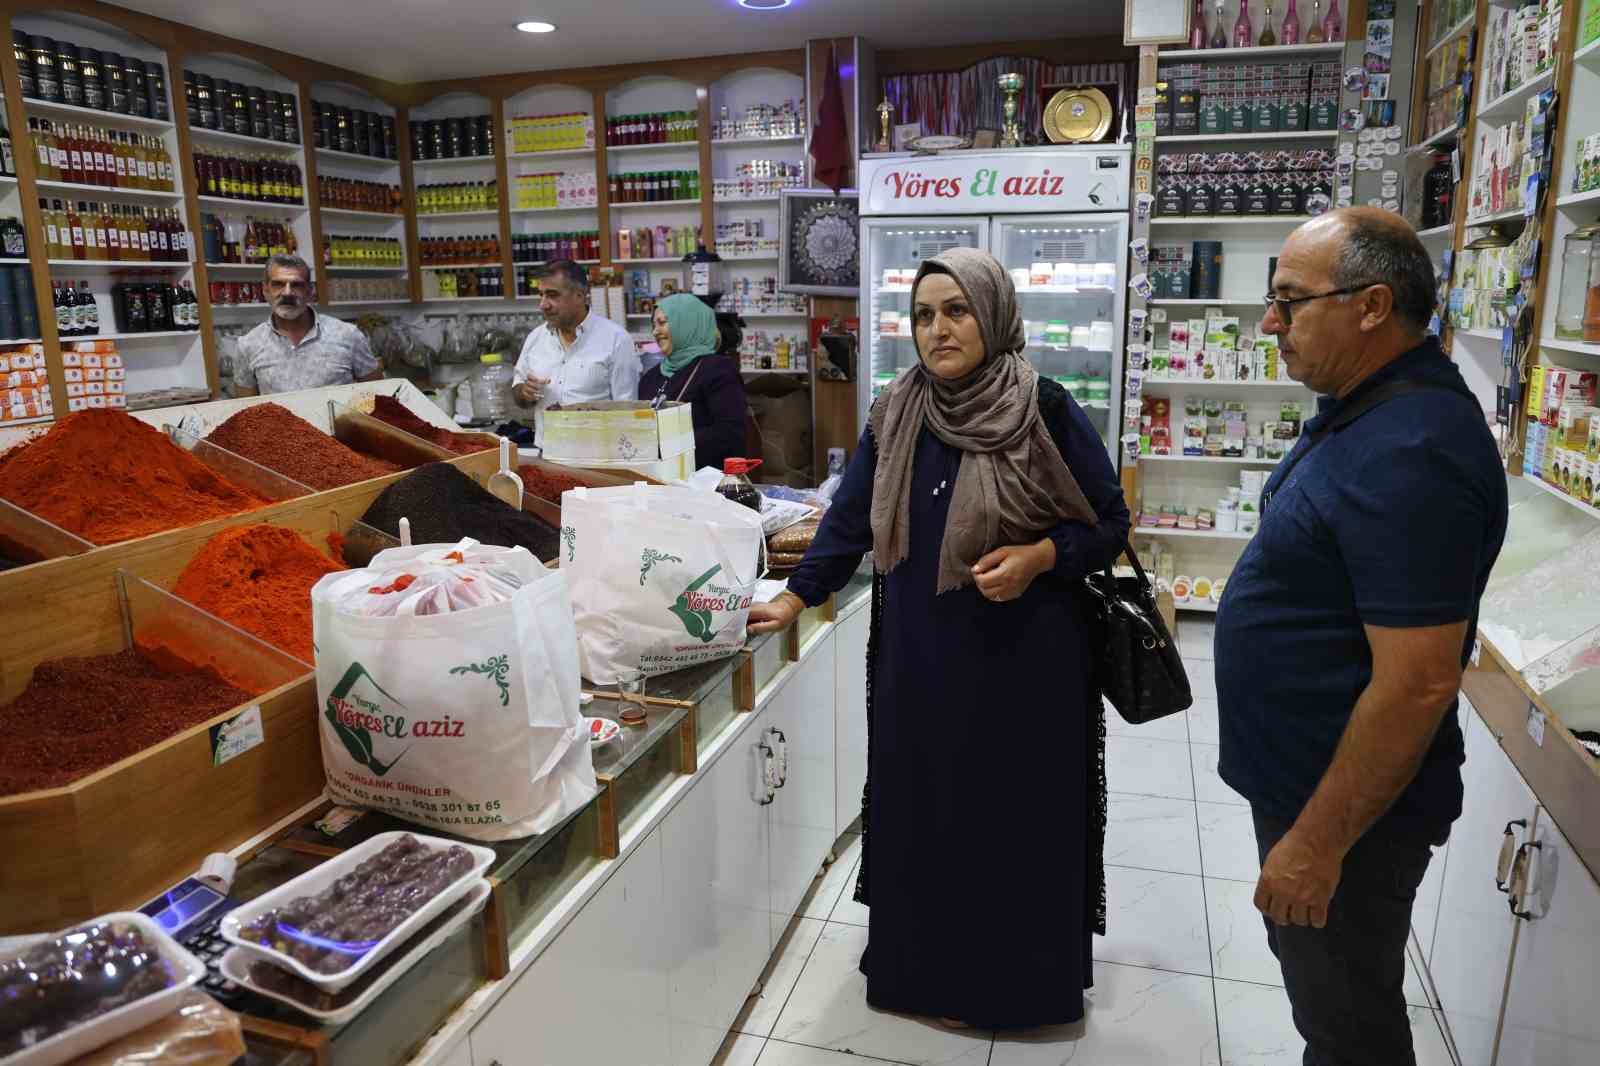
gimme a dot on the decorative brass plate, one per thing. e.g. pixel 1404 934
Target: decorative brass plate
pixel 1074 116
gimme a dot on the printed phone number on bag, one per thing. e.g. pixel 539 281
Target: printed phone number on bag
pixel 486 813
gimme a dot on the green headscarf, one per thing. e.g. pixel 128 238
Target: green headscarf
pixel 694 331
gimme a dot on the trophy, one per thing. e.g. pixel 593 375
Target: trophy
pixel 885 110
pixel 1011 85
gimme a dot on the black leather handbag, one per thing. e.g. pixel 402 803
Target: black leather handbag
pixel 1139 668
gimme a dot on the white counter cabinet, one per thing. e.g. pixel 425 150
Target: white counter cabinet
pixel 1516 989
pixel 850 715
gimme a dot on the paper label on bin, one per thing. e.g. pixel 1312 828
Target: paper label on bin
pixel 337 820
pixel 1536 725
pixel 237 735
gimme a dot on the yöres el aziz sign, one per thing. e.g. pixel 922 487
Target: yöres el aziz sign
pixel 1075 180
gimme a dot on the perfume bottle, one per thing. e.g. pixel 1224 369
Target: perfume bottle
pixel 1243 33
pixel 1333 25
pixel 1291 25
pixel 1314 27
pixel 1267 38
pixel 1197 25
pixel 1219 35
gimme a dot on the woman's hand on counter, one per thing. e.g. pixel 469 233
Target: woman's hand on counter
pixel 1005 573
pixel 775 616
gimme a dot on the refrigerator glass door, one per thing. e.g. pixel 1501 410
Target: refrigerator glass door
pixel 1069 271
pixel 894 248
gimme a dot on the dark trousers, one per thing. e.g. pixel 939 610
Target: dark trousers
pixel 1345 981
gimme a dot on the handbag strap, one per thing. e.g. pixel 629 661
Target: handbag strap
pixel 1346 415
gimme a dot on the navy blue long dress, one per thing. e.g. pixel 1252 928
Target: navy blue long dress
pixel 985 809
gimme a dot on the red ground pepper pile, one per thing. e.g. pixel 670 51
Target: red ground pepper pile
pixel 546 484
pixel 108 477
pixel 80 715
pixel 259 578
pixel 390 410
pixel 280 440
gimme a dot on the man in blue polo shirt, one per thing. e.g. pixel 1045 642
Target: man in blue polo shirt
pixel 1345 627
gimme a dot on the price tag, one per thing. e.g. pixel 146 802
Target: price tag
pixel 1536 725
pixel 1477 651
pixel 237 735
pixel 338 820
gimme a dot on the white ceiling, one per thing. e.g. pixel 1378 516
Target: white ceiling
pixel 427 40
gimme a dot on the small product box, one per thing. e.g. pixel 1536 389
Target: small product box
pixel 71 374
pixel 75 389
pixel 69 358
pixel 116 374
pixel 94 373
pixel 93 360
pixel 94 388
pixel 113 361
pixel 114 388
pixel 1222 333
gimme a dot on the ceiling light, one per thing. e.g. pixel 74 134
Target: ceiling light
pixel 539 27
pixel 764 5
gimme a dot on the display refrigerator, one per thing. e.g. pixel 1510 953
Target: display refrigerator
pixel 1056 218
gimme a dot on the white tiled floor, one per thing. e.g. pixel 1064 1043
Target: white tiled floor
pixel 1184 977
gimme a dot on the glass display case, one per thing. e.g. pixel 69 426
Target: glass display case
pixel 1539 611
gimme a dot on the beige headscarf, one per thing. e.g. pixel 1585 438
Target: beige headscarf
pixel 1012 484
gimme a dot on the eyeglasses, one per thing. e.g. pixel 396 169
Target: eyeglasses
pixel 1285 306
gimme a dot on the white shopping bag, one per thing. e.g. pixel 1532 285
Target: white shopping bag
pixel 662 577
pixel 466 719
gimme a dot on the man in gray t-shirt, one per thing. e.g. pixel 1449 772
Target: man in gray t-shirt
pixel 298 348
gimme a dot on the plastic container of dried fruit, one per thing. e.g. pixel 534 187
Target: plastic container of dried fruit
pixel 186 971
pixel 236 965
pixel 314 881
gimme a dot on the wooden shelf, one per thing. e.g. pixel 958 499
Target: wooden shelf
pixel 365 216
pixel 1443 135
pixel 788 138
pixel 1570 501
pixel 434 216
pixel 253 205
pixel 262 266
pixel 1589 53
pixel 653 259
pixel 1185 383
pixel 118 264
pixel 1574 347
pixel 663 146
pixel 551 210
pixel 729 201
pixel 46 109
pixel 202 134
pixel 1574 198
pixel 333 155
pixel 1480 334
pixel 1513 214
pixel 1221 459
pixel 804 373
pixel 655 203
pixel 462 266
pixel 1202 534
pixel 458 161
pixel 1231 220
pixel 1508 105
pixel 1274 135
pixel 1186 302
pixel 1253 52
pixel 1437 231
pixel 398 268
pixel 1199 606
pixel 555 153
pixel 372 303
pixel 153 336
pixel 101 190
pixel 1451 34
pixel 770 314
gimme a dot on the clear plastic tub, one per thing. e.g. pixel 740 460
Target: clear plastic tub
pixel 314 881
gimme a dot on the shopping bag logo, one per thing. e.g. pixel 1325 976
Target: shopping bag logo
pixel 694 608
pixel 496 669
pixel 649 559
pixel 355 719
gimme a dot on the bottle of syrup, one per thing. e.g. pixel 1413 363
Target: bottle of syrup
pixel 736 486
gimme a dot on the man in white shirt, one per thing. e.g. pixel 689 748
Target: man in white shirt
pixel 576 356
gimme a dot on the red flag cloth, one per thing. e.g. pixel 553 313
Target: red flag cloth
pixel 830 141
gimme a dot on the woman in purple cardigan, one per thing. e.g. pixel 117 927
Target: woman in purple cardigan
pixel 692 372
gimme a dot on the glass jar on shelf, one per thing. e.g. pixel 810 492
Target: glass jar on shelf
pixel 1577 264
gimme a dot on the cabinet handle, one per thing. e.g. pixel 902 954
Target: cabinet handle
pixel 1508 853
pixel 1523 884
pixel 766 775
pixel 782 757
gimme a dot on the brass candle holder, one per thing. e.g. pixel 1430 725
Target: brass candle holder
pixel 1011 85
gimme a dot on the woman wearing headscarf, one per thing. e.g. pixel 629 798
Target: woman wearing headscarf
pixel 691 372
pixel 986 496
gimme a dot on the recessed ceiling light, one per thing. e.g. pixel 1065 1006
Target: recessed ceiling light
pixel 764 5
pixel 542 27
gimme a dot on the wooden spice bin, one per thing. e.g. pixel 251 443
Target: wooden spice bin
pixel 118 836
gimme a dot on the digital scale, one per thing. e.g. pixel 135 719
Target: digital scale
pixel 189 912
